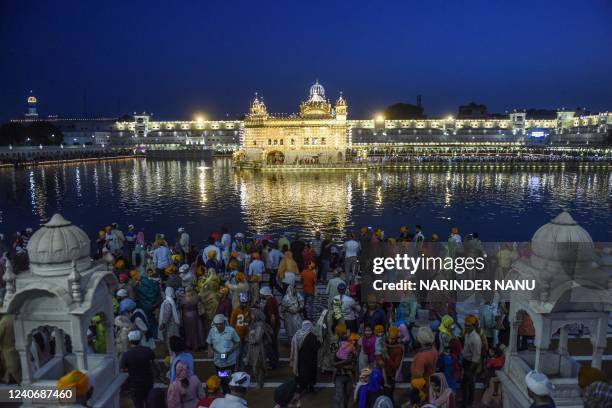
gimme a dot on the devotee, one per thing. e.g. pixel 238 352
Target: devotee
pixel 9 356
pixel 257 342
pixel 239 386
pixel 286 395
pixel 186 390
pixel 297 248
pixel 162 258
pixel 130 240
pixel 446 331
pixel 368 393
pixel 190 304
pixel 455 243
pixel 123 326
pixel 223 342
pixel 256 267
pixel 332 286
pixel 179 351
pixel 148 298
pixel 539 389
pixel 344 361
pixel 169 321
pixel 270 309
pixel 226 245
pixel 241 287
pixel 325 258
pixel 309 280
pixel 367 348
pixel 240 320
pixel 440 394
pixel 224 307
pixel 472 347
pixel 287 270
pixel 426 357
pixel 394 354
pixel 349 308
pixel 283 242
pixel 274 259
pixel 595 388
pixel 182 242
pixel 303 356
pixel 211 247
pixel 374 314
pixel 138 361
pixel 351 251
pixel 213 391
pixel 291 309
pixel 328 328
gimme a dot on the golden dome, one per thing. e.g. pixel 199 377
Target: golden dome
pixel 32 99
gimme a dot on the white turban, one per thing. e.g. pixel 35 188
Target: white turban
pixel 539 383
pixel 265 291
pixel 184 268
pixel 122 293
pixel 425 336
pixel 134 335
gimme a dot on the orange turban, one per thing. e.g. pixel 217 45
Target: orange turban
pixel 340 329
pixel 255 255
pixel 234 254
pixel 393 332
pixel 471 320
pixel 77 380
pixel 240 277
pixel 232 265
pixel 354 337
pixel 134 274
pixel 212 384
pixel 170 270
pixel 120 264
pixel 101 234
pixel 589 375
pixel 419 384
pixel 212 254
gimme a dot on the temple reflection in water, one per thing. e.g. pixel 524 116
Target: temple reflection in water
pixel 159 196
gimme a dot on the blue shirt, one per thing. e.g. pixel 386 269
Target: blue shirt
pixel 222 343
pixel 274 258
pixel 162 257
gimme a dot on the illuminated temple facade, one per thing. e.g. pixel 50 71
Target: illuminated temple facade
pixel 317 134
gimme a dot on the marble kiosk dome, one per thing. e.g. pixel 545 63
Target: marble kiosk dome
pixel 54 247
pixel 562 240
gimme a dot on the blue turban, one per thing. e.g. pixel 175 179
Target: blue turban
pixel 127 305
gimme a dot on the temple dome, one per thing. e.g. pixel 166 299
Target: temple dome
pixel 317 93
pixel 55 245
pixel 562 239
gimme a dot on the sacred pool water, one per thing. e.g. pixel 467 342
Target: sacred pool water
pixel 159 196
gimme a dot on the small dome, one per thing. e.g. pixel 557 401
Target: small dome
pixel 55 245
pixel 317 93
pixel 340 101
pixel 32 99
pixel 562 239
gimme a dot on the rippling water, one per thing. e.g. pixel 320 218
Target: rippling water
pixel 158 196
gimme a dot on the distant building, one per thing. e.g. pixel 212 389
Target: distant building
pixel 32 112
pixel 472 111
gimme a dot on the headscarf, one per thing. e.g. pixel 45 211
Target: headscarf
pixel 169 302
pixel 123 277
pixel 445 392
pixel 340 329
pixel 446 325
pixel 140 238
pixel 375 381
pixel 180 370
pixel 296 343
pixel 589 375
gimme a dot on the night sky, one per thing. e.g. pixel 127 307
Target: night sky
pixel 176 59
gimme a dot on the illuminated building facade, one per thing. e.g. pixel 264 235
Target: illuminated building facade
pixel 317 134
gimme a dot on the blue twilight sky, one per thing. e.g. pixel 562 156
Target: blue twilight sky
pixel 178 58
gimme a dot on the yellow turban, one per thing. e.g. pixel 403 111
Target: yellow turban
pixel 77 380
pixel 134 274
pixel 354 337
pixel 234 254
pixel 240 277
pixel 393 332
pixel 379 329
pixel 589 375
pixel 170 270
pixel 212 254
pixel 212 384
pixel 101 234
pixel 176 258
pixel 120 264
pixel 340 329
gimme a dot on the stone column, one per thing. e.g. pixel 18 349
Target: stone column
pixel 599 333
pixel 513 336
pixel 563 335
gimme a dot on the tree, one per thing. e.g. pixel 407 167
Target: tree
pixel 44 133
pixel 404 111
pixel 12 133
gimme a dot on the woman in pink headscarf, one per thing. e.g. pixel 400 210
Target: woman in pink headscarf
pixel 440 393
pixel 185 391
